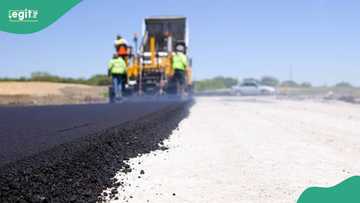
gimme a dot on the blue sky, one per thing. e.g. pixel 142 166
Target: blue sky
pixel 319 39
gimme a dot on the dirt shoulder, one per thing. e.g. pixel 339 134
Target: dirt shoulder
pixel 44 93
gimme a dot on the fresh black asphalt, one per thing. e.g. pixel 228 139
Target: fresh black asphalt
pixel 71 153
pixel 25 131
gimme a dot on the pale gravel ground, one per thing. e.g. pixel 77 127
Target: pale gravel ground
pixel 250 150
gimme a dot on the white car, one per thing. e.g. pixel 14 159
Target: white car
pixel 252 88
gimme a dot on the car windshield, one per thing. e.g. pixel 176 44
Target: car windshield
pixel 249 84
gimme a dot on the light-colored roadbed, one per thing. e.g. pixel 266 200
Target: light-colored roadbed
pixel 249 150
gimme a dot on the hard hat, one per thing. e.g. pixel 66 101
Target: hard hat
pixel 180 48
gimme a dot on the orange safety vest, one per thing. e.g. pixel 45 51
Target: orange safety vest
pixel 122 50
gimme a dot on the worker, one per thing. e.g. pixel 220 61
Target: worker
pixel 117 71
pixel 179 64
pixel 121 46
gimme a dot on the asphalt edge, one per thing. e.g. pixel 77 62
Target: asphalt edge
pixel 80 170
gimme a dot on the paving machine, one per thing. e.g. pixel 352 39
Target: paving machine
pixel 149 62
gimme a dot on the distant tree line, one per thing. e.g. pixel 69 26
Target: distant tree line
pixel 215 83
pixel 227 82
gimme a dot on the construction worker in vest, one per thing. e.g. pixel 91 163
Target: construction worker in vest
pixel 179 64
pixel 117 71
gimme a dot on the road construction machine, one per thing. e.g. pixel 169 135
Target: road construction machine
pixel 149 62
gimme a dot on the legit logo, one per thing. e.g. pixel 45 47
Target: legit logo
pixel 23 15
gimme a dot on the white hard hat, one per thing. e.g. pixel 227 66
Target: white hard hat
pixel 180 48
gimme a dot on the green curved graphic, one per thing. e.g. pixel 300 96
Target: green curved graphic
pixel 29 16
pixel 347 191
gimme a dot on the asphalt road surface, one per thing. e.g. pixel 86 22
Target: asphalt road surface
pixel 70 153
pixel 25 131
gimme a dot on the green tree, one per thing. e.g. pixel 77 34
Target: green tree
pixel 289 83
pixel 41 76
pixel 343 84
pixel 99 79
pixel 215 83
pixel 306 84
pixel 227 81
pixel 269 80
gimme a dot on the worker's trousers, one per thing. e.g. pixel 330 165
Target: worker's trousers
pixel 117 83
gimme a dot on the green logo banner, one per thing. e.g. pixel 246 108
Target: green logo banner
pixel 29 16
pixel 347 191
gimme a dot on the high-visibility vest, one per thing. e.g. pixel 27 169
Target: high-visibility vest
pixel 179 61
pixel 122 50
pixel 117 66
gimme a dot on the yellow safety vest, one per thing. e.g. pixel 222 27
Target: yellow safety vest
pixel 117 66
pixel 179 61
